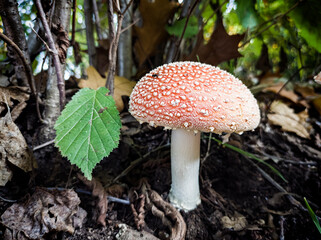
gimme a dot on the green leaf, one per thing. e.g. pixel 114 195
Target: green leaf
pixel 247 14
pixel 177 28
pixel 313 216
pixel 88 128
pixel 306 18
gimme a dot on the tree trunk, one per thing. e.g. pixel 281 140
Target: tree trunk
pixel 14 30
pixel 125 44
pixel 90 32
pixel 60 17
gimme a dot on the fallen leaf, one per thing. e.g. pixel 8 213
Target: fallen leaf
pixel 317 78
pixel 94 80
pixel 126 232
pixel 235 223
pixel 317 104
pixel 285 117
pixel 284 92
pixel 307 92
pixel 13 148
pixel 45 211
pixel 10 95
pixel 221 46
pixel 155 15
pixel 97 191
pixel 123 87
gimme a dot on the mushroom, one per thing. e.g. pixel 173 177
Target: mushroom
pixel 189 98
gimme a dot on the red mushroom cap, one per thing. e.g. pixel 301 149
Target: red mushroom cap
pixel 194 96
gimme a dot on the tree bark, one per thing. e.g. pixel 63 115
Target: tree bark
pixel 124 61
pixel 14 30
pixel 97 19
pixel 61 16
pixel 90 32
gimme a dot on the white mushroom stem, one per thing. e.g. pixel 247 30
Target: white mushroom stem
pixel 185 162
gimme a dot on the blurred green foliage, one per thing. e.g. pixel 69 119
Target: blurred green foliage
pixel 293 26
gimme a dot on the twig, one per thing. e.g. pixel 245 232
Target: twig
pixel 42 40
pixel 129 26
pixel 8 200
pixel 113 40
pixel 43 145
pixel 184 29
pixel 56 61
pixel 127 7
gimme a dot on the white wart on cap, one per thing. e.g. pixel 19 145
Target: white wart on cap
pixel 194 96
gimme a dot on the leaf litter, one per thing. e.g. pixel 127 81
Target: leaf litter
pixel 45 211
pixel 13 149
pixel 100 193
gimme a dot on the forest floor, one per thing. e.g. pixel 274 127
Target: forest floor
pixel 241 198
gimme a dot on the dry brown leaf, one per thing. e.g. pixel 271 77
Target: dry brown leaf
pixel 8 94
pixel 43 212
pixel 307 92
pixel 235 223
pixel 123 87
pixel 155 15
pixel 317 104
pixel 317 78
pixel 97 191
pixel 285 117
pixel 284 93
pixel 221 46
pixel 126 233
pixel 13 148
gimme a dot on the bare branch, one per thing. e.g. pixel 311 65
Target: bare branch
pixel 113 39
pixel 60 79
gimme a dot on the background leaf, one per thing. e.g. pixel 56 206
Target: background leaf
pixel 307 19
pixel 155 15
pixel 123 86
pixel 247 14
pixel 88 128
pixel 177 28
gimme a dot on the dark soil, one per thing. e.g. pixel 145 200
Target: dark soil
pixel 239 201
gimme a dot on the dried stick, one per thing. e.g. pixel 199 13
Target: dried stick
pixel 56 61
pixel 113 40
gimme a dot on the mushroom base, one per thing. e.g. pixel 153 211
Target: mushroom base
pixel 185 162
